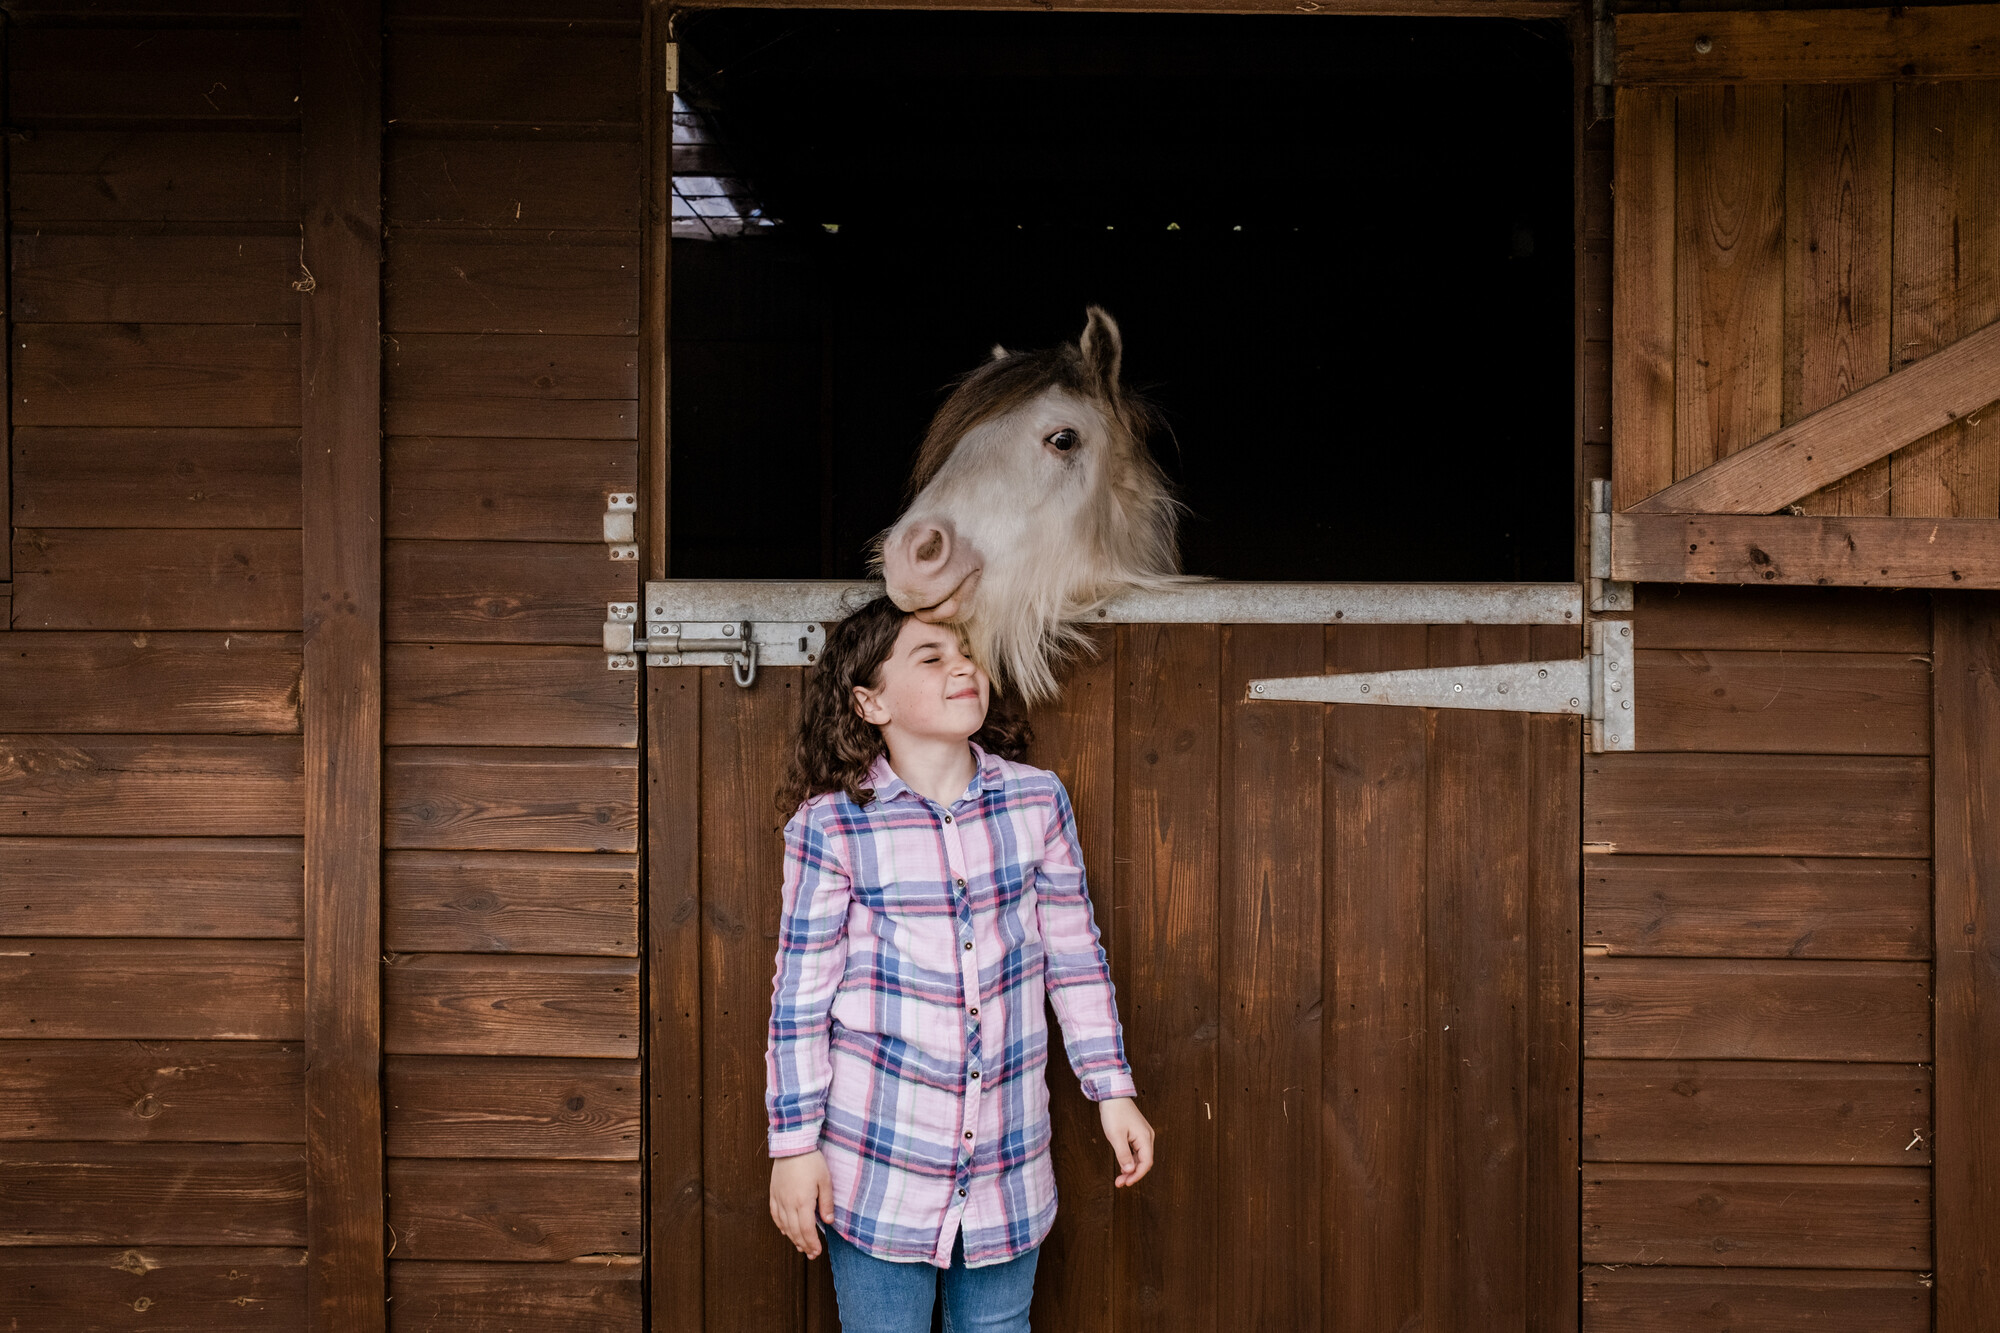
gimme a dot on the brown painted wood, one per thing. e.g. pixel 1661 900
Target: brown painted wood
pixel 141 786
pixel 252 990
pixel 745 735
pixel 512 185
pixel 1968 973
pixel 1794 703
pixel 1269 935
pixel 156 375
pixel 551 81
pixel 1643 359
pixel 453 1208
pixel 454 284
pixel 510 902
pixel 1165 951
pixel 1750 1216
pixel 151 682
pixel 1867 424
pixel 1757 907
pixel 493 694
pixel 1867 552
pixel 225 888
pixel 497 799
pixel 1548 9
pixel 513 385
pixel 152 1194
pixel 517 1004
pixel 1374 977
pixel 1710 617
pixel 1665 1300
pixel 1751 1111
pixel 472 1106
pixel 599 1291
pixel 1752 805
pixel 153 1092
pixel 674 999
pixel 95 74
pixel 157 578
pixel 1076 737
pixel 169 1287
pixel 1946 281
pixel 1728 1009
pixel 99 477
pixel 154 175
pixel 503 490
pixel 504 592
pixel 660 79
pixel 1839 168
pixel 1823 46
pixel 64 279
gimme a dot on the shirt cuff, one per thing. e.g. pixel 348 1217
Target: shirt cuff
pixel 1106 1084
pixel 795 1142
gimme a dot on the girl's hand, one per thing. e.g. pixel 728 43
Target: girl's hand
pixel 1131 1137
pixel 800 1186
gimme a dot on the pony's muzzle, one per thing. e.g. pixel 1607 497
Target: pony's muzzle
pixel 925 565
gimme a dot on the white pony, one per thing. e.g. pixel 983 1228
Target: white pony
pixel 1035 499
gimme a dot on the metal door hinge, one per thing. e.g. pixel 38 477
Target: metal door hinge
pixel 621 509
pixel 1606 593
pixel 741 645
pixel 1596 687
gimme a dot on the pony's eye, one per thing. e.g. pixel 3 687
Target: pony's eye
pixel 1063 440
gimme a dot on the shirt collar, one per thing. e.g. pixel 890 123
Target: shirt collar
pixel 882 779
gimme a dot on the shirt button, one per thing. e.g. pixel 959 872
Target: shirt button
pixel 975 1073
pixel 960 883
pixel 961 1194
pixel 968 944
pixel 968 1133
pixel 975 1011
pixel 947 819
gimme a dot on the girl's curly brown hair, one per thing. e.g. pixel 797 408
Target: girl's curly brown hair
pixel 835 746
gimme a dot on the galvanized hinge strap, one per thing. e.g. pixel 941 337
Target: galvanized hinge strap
pixel 741 645
pixel 1606 593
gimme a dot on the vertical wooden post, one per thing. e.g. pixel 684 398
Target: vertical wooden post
pixel 662 65
pixel 341 476
pixel 1966 847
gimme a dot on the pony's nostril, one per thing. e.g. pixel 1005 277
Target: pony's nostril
pixel 931 549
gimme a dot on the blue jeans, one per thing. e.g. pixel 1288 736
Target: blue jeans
pixel 877 1296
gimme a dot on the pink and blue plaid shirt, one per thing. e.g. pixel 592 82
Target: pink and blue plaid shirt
pixel 907 1038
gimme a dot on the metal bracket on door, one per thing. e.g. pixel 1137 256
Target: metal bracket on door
pixel 1597 687
pixel 741 645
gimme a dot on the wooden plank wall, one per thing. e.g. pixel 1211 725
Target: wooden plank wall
pixel 1344 942
pixel 1780 246
pixel 151 990
pixel 1757 1028
pixel 510 891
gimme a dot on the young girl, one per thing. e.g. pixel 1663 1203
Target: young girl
pixel 933 889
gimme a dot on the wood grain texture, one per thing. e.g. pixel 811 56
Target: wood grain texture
pixel 99 74
pixel 1854 552
pixel 522 386
pixel 1742 1111
pixel 1727 1009
pixel 68 279
pixel 471 1106
pixel 156 375
pixel 598 1291
pixel 1757 907
pixel 450 284
pixel 493 694
pixel 504 799
pixel 222 888
pixel 1665 1300
pixel 1710 617
pixel 581 80
pixel 503 490
pixel 512 185
pixel 143 786
pixel 454 1208
pixel 1968 966
pixel 242 683
pixel 152 1194
pixel 1757 1216
pixel 510 902
pixel 1165 928
pixel 1643 349
pixel 1835 45
pixel 1792 703
pixel 503 592
pixel 157 578
pixel 153 1091
pixel 171 1287
pixel 154 175
pixel 111 477
pixel 517 1004
pixel 247 990
pixel 1758 805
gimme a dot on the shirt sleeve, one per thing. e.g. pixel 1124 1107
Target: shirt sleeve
pixel 812 955
pixel 1075 971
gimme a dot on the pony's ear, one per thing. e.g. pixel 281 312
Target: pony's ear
pixel 999 352
pixel 1103 349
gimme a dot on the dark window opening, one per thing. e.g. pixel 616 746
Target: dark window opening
pixel 1340 250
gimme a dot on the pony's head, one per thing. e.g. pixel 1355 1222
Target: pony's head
pixel 1033 499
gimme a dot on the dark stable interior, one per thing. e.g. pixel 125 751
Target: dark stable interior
pixel 1339 248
